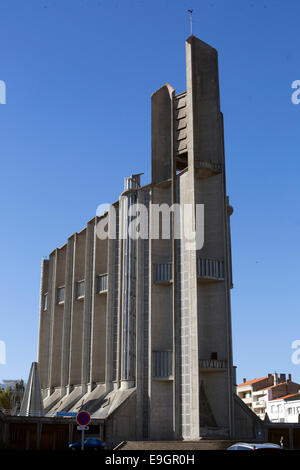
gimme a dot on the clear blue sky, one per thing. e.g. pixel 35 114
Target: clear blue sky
pixel 79 76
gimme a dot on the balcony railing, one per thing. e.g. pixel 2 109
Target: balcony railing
pixel 207 168
pixel 259 404
pixel 162 364
pixel 163 273
pixel 212 365
pixel 210 269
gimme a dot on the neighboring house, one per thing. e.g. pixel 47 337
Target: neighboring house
pixel 284 409
pixel 258 393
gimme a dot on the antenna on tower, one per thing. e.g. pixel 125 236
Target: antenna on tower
pixel 191 20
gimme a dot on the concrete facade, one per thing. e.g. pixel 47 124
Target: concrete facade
pixel 138 332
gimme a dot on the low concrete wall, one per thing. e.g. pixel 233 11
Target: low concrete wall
pixel 40 433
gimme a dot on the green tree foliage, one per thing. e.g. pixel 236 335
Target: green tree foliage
pixel 5 401
pixel 11 397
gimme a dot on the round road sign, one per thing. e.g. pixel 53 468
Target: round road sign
pixel 83 418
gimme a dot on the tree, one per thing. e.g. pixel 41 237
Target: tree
pixel 11 398
pixel 5 401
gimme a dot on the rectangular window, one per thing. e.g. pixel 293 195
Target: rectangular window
pixel 289 411
pixel 80 287
pixel 210 269
pixel 60 295
pixel 45 301
pixel 101 283
pixel 163 273
pixel 162 364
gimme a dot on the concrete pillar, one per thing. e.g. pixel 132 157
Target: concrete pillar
pixel 162 134
pixel 57 319
pixel 161 323
pixel 69 294
pixel 44 325
pixel 204 119
pixel 51 313
pixel 210 302
pixel 75 368
pixel 112 250
pixel 142 331
pixel 88 304
pixel 128 198
pixel 190 409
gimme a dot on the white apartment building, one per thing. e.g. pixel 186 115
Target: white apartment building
pixel 284 409
pixel 261 396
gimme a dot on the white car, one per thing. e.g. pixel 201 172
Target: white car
pixel 254 446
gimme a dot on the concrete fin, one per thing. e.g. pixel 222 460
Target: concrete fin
pixel 91 401
pixel 32 404
pixel 112 401
pixel 206 415
pixel 51 400
pixel 66 402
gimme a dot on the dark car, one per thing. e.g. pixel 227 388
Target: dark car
pixel 91 443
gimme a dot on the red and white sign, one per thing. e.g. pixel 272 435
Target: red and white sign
pixel 83 418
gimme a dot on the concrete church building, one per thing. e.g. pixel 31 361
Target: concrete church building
pixel 138 332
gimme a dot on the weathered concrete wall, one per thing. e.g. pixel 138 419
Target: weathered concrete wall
pixel 161 326
pixel 247 424
pixel 77 312
pixel 120 426
pixel 162 134
pixel 98 350
pixel 58 314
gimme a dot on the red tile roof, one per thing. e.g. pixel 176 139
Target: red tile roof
pixel 250 382
pixel 286 396
pixel 274 386
pixel 281 383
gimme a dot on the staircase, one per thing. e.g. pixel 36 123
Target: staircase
pixel 203 444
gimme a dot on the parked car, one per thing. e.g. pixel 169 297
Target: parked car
pixel 91 443
pixel 254 446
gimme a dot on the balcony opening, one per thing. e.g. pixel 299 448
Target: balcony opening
pixel 60 295
pixel 181 161
pixel 80 288
pixel 101 283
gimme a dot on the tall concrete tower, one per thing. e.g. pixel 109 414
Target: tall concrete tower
pixel 188 151
pixel 138 330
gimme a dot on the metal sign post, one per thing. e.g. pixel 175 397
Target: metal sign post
pixel 82 439
pixel 83 419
